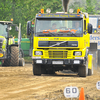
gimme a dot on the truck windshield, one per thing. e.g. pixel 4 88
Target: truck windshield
pixel 3 30
pixel 59 27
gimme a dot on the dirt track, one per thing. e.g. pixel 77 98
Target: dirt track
pixel 19 83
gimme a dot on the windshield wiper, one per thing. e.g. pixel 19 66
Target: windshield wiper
pixel 59 33
pixel 45 34
pixel 50 33
pixel 40 34
pixel 71 33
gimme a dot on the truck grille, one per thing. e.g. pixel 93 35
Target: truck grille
pixel 57 54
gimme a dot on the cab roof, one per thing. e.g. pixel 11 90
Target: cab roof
pixel 59 15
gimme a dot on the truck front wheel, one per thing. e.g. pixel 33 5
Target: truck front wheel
pixel 82 71
pixel 90 71
pixel 36 69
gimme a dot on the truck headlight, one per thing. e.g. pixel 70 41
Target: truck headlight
pixel 38 53
pixel 77 53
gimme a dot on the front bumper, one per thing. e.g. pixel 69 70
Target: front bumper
pixel 59 61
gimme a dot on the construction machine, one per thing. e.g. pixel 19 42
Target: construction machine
pixel 10 53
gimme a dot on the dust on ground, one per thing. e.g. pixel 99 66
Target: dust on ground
pixel 19 83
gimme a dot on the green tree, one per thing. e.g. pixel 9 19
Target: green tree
pixel 91 6
pixel 23 10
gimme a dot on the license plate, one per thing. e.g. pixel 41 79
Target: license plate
pixel 39 61
pixel 76 62
pixel 57 62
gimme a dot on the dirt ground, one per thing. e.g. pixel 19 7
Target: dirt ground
pixel 19 83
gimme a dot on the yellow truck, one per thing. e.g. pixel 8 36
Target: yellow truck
pixel 61 42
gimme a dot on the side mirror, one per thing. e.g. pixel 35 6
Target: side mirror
pixel 16 28
pixel 90 28
pixel 28 27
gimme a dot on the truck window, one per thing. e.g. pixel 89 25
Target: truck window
pixel 61 26
pixel 3 30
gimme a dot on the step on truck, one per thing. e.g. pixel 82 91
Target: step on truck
pixel 61 41
pixel 10 53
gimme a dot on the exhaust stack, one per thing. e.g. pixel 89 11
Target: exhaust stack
pixel 65 5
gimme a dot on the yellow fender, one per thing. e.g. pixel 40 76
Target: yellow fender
pixel 90 65
pixel 89 61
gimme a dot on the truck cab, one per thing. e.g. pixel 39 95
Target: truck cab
pixel 60 42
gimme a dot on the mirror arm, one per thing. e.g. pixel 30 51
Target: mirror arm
pixel 85 32
pixel 31 31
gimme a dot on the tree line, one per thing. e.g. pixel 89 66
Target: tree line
pixel 23 10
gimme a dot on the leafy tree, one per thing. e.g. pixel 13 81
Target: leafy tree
pixel 23 10
pixel 75 6
pixel 91 6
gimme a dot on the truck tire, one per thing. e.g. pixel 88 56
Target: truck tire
pixel 90 71
pixel 21 62
pixel 43 69
pixel 14 56
pixel 82 71
pixel 36 69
